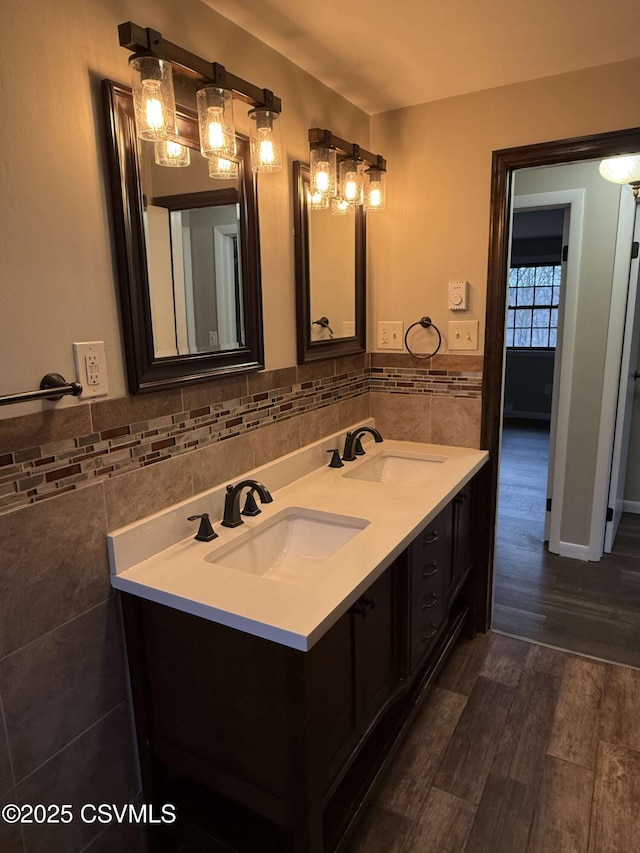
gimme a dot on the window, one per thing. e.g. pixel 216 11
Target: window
pixel 532 315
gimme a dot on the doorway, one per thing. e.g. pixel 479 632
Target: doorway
pixel 562 613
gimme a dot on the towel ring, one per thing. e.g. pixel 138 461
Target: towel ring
pixel 426 323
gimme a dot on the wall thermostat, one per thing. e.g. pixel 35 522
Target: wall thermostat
pixel 458 294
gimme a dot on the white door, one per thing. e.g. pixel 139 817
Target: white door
pixel 630 345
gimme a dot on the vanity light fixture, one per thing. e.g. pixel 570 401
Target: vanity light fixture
pixel 317 201
pixel 360 178
pixel 623 170
pixel 323 169
pixel 171 153
pixel 266 152
pixel 153 97
pixel 339 207
pixel 374 188
pixel 215 121
pixel 153 63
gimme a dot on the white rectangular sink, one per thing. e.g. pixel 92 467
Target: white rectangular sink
pixel 396 467
pixel 289 546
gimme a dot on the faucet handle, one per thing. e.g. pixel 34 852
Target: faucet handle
pixel 336 462
pixel 205 532
pixel 250 506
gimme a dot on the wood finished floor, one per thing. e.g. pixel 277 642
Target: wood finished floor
pixel 519 748
pixel 589 608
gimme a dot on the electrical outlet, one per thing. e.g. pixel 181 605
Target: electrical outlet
pixel 213 339
pixel 390 334
pixel 463 335
pixel 91 368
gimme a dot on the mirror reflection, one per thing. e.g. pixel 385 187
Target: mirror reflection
pixel 330 276
pixel 188 252
pixel 332 267
pixel 193 247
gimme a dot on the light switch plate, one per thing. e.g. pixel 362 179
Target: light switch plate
pixel 91 368
pixel 463 335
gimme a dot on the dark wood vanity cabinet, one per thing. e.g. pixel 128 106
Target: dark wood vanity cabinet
pixel 297 738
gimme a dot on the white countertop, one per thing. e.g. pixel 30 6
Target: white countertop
pixel 294 614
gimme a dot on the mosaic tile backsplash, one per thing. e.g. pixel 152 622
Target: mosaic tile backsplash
pixel 33 474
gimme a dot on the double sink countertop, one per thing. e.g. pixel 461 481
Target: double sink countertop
pixel 333 531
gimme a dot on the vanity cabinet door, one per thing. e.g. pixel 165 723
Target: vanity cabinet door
pixel 430 556
pixel 463 550
pixel 350 672
pixel 376 647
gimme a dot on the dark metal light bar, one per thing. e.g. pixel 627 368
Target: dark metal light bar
pixel 324 138
pixel 147 40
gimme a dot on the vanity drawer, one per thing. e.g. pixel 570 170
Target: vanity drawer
pixel 430 551
pixel 427 611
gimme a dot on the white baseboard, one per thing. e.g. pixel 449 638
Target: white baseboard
pixel 576 552
pixel 631 506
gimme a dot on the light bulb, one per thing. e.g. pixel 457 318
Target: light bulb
pixel 267 153
pixel 154 113
pixel 317 201
pixel 340 207
pixel 171 153
pixel 216 132
pixel 322 178
pixel 350 188
pixel 223 169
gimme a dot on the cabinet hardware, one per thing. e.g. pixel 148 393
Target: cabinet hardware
pixel 434 598
pixel 426 574
pixel 430 538
pixel 426 637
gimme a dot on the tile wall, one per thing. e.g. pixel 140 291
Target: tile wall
pixel 65 727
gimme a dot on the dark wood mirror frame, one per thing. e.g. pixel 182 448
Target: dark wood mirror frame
pixel 146 372
pixel 505 163
pixel 309 350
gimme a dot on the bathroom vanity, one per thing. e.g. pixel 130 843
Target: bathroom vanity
pixel 268 726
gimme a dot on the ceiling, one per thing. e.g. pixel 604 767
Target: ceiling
pixel 382 55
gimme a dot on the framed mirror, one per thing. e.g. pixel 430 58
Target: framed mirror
pixel 330 253
pixel 188 254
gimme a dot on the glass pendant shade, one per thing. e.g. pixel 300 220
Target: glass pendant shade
pixel 153 98
pixel 317 201
pixel 215 121
pixel 323 169
pixel 350 189
pixel 266 152
pixel 223 169
pixel 621 170
pixel 339 207
pixel 374 190
pixel 171 153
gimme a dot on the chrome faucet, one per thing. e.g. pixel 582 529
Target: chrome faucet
pixel 350 442
pixel 231 517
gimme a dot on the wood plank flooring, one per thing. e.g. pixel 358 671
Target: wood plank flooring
pixel 519 748
pixel 589 608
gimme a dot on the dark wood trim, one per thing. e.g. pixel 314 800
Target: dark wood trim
pixel 320 350
pixel 146 372
pixel 194 201
pixel 505 162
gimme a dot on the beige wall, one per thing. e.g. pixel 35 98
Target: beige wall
pixel 436 225
pixel 57 279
